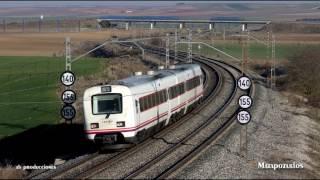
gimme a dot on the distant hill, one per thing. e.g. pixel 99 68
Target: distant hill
pixel 226 18
pixel 239 7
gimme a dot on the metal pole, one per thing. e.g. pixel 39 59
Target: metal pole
pixel 142 50
pixel 224 37
pixel 190 46
pixel 243 130
pixel 273 69
pixel 175 44
pixel 167 51
pixel 224 33
pixel 68 54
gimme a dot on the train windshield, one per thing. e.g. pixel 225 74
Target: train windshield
pixel 107 104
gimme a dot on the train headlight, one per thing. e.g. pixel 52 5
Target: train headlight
pixel 121 124
pixel 94 125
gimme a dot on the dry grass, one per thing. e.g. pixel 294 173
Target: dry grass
pixel 11 173
pixel 303 74
pixel 48 44
pixel 52 43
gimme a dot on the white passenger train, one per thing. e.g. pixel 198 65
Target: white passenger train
pixel 134 108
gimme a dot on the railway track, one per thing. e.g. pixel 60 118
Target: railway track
pixel 95 161
pixel 153 163
pixel 151 169
pixel 96 164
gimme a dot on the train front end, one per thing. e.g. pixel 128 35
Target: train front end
pixel 109 116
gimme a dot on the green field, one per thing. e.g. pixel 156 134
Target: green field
pixel 28 90
pixel 255 51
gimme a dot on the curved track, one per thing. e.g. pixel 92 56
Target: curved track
pixel 151 169
pixel 215 73
pixel 95 162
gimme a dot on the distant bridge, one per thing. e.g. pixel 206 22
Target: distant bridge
pixel 182 22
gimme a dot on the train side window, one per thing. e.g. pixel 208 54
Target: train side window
pixel 182 88
pixel 175 91
pixel 154 98
pixel 189 82
pixel 166 95
pixel 160 97
pixel 145 103
pixel 163 94
pixel 142 104
pixel 137 106
pixel 151 101
pixel 192 83
pixel 170 92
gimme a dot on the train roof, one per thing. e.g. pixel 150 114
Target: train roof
pixel 142 79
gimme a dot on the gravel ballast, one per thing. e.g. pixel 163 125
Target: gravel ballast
pixel 278 134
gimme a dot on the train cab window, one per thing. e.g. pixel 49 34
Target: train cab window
pixel 106 104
